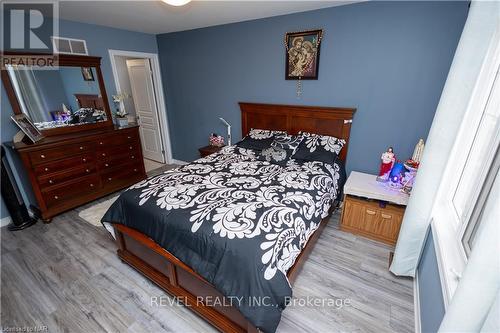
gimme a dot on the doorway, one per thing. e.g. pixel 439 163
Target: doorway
pixel 137 78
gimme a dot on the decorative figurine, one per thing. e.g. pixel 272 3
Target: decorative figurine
pixel 419 150
pixel 396 175
pixel 388 158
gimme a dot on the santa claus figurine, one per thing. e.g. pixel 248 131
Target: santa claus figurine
pixel 388 158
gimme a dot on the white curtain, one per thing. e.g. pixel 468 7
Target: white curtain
pixel 477 36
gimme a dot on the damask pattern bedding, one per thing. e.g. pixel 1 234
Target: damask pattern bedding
pixel 237 220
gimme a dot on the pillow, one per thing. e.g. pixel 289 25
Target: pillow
pixel 281 149
pixel 315 147
pixel 258 139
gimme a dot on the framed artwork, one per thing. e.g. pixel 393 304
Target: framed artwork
pixel 87 74
pixel 302 54
pixel 27 127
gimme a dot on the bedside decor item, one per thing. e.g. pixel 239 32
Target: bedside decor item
pixel 412 166
pixel 216 140
pixel 396 175
pixel 302 56
pixel 87 74
pixel 121 113
pixel 228 130
pixel 27 127
pixel 388 158
pixel 418 152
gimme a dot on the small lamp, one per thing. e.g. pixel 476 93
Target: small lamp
pixel 228 130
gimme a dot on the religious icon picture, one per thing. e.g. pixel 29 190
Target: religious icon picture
pixel 302 54
pixel 87 74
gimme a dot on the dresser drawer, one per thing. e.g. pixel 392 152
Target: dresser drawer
pixel 66 175
pixel 109 152
pixel 118 139
pixel 52 154
pixel 369 219
pixel 61 165
pixel 116 161
pixel 125 173
pixel 71 190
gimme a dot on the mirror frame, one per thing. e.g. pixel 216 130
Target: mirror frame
pixel 70 61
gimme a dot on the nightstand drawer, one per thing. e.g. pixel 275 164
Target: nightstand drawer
pixel 369 219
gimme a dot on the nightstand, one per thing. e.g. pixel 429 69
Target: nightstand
pixel 207 150
pixel 372 209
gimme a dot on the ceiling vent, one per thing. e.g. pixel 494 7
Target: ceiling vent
pixel 69 46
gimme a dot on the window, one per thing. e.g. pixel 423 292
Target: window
pixel 470 172
pixel 469 234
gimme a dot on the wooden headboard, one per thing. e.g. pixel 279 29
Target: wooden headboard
pixel 331 121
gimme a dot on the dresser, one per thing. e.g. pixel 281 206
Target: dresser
pixel 70 170
pixel 372 209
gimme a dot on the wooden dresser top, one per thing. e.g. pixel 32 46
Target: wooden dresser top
pixel 69 138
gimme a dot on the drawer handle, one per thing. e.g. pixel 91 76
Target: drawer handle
pixel 135 170
pixel 370 212
pixel 87 170
pixel 110 178
pixel 42 156
pixel 103 154
pixel 385 216
pixel 106 165
pixel 91 185
pixel 129 137
pixel 81 147
pixel 46 169
pixel 51 181
pixel 56 197
pixel 132 157
pixel 130 147
pixel 84 159
pixel 101 143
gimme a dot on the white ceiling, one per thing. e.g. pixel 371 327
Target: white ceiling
pixel 154 16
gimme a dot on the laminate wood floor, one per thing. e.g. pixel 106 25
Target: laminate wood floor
pixel 66 276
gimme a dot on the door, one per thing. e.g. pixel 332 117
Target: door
pixel 141 81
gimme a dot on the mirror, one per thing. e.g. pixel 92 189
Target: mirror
pixel 69 96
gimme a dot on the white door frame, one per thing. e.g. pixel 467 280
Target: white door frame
pixel 158 86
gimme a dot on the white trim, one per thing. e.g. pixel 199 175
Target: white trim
pixel 162 108
pixel 5 221
pixel 416 304
pixel 180 162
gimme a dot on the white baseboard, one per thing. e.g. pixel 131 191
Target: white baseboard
pixel 5 221
pixel 174 161
pixel 416 304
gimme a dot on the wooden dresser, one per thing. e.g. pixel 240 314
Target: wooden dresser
pixel 372 209
pixel 69 170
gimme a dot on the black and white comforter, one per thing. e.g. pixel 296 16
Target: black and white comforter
pixel 236 220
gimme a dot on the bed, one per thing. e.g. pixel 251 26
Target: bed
pixel 228 233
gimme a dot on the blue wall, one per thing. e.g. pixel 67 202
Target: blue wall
pixel 430 292
pixel 387 59
pixel 99 40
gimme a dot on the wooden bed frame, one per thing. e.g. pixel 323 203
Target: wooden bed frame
pixel 179 280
